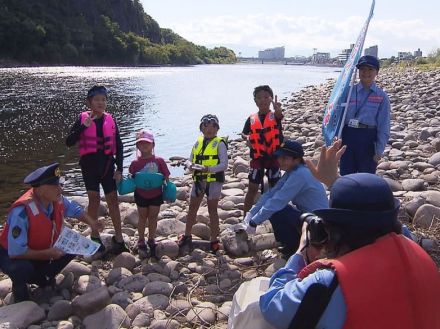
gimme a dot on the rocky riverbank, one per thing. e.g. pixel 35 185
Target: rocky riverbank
pixel 195 290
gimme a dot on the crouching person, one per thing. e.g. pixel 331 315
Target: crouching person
pixel 33 225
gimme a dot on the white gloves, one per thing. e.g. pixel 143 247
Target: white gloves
pixel 250 230
pixel 247 218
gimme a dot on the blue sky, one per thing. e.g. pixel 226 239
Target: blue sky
pixel 247 26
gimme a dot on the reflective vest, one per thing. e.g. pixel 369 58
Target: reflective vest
pixel 207 156
pixel 264 138
pixel 392 283
pixel 42 231
pixel 90 143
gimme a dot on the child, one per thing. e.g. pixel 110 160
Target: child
pixel 148 201
pixel 263 132
pixel 99 142
pixel 298 187
pixel 209 158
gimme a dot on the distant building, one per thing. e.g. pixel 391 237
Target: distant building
pixel 345 53
pixel 372 51
pixel 321 58
pixel 272 53
pixel 418 53
pixel 404 55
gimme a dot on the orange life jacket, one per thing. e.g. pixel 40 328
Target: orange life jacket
pixel 264 138
pixel 90 143
pixel 392 283
pixel 43 231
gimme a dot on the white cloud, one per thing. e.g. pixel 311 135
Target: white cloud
pixel 301 34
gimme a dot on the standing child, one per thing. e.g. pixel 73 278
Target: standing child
pixel 97 134
pixel 209 158
pixel 263 131
pixel 148 201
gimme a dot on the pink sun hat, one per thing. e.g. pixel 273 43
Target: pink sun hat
pixel 144 135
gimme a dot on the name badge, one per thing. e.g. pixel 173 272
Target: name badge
pixel 353 123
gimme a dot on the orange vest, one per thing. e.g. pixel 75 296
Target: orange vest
pixel 41 228
pixel 392 283
pixel 264 138
pixel 90 143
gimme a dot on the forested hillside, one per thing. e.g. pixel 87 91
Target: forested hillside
pixel 94 32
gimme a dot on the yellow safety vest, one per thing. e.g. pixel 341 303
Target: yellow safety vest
pixel 207 157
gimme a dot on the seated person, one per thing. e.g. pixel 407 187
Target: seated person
pixel 33 225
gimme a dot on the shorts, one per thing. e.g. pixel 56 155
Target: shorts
pixel 258 169
pixel 144 203
pixel 93 178
pixel 212 190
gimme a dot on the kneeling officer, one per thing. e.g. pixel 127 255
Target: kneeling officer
pixel 33 225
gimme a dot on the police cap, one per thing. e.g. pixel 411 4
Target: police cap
pixel 48 175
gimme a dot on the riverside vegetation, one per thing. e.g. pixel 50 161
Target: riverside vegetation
pixel 93 32
pixel 195 289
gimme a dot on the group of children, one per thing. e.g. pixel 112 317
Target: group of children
pixel 100 148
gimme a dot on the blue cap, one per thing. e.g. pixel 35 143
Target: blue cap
pixel 290 148
pixel 48 175
pixel 368 60
pixel 361 200
pixel 96 90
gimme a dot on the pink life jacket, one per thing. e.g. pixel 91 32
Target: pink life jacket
pixel 90 143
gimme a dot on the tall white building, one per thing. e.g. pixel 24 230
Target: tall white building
pixel 372 51
pixel 272 53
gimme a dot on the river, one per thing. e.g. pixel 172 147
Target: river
pixel 38 105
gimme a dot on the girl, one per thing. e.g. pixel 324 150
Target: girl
pixel 148 201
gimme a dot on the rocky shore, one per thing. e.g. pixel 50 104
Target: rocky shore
pixel 195 289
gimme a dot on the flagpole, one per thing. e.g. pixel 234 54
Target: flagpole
pixel 353 79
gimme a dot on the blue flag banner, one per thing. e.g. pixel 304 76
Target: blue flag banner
pixel 335 110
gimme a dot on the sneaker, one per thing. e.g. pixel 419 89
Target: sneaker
pixel 118 247
pixel 99 241
pixel 184 240
pixel 152 245
pixel 142 249
pixel 215 246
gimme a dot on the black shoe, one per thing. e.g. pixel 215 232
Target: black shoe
pixel 152 246
pixel 184 240
pixel 118 247
pixel 99 241
pixel 286 252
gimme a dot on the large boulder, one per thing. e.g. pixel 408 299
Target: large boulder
pixel 21 315
pixel 111 317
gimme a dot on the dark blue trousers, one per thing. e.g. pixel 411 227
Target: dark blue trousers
pixel 287 227
pixel 359 155
pixel 23 271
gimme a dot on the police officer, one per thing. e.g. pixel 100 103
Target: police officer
pixel 367 122
pixel 33 225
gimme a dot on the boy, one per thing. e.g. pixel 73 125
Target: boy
pixel 98 137
pixel 263 132
pixel 367 122
pixel 209 158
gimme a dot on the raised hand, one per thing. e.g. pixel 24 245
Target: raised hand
pixel 276 105
pixel 88 121
pixel 326 170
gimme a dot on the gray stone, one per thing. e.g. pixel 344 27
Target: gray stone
pixel 152 302
pixel 165 324
pixel 21 315
pixel 90 302
pixel 202 231
pixel 426 216
pixel 203 313
pixel 412 206
pixel 435 159
pixel 157 287
pixel 177 306
pixel 235 243
pixel 413 184
pixel 77 269
pixel 223 311
pixel 433 197
pixel 134 283
pixel 65 325
pixel 117 274
pixel 87 283
pixel 167 248
pixel 62 309
pixel 141 320
pixel 394 185
pixel 5 287
pixel 169 226
pixel 263 241
pixel 153 277
pixel 122 299
pixel 126 260
pixel 111 317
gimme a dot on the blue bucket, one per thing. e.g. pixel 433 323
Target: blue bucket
pixel 169 192
pixel 148 181
pixel 127 185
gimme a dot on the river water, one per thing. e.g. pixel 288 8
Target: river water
pixel 39 105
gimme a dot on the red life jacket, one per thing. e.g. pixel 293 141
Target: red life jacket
pixel 392 283
pixel 264 138
pixel 41 228
pixel 90 143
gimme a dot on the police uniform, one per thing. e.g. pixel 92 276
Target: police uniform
pixel 367 125
pixel 24 220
